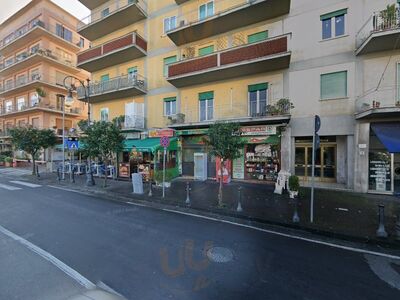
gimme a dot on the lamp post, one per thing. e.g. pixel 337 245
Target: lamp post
pixel 71 88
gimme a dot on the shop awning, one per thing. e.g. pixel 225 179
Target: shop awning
pixel 389 135
pixel 148 145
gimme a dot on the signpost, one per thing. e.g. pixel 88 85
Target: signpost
pixel 316 144
pixel 164 142
pixel 72 144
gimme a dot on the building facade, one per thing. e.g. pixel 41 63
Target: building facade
pixel 38 47
pixel 271 65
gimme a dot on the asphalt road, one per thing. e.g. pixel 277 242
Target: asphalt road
pixel 144 253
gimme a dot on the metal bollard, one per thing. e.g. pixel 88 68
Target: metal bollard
pixel 37 171
pixel 381 232
pixel 239 206
pixel 58 174
pixel 398 228
pixel 296 218
pixel 73 175
pixel 187 193
pixel 150 188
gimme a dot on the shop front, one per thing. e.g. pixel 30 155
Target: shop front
pixel 146 157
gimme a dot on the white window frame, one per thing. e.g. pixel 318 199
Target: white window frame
pixel 207 117
pixel 169 22
pixel 105 109
pixel 166 103
pixel 258 101
pixel 207 14
pixel 20 104
pixel 333 28
pixel 8 105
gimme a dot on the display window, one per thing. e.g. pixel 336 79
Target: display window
pixel 262 162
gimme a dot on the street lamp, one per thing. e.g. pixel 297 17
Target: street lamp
pixel 69 99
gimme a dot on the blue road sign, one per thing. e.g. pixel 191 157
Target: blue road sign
pixel 72 143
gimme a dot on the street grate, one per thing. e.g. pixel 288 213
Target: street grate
pixel 220 254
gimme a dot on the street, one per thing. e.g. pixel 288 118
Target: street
pixel 144 253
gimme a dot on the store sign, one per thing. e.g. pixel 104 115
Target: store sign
pixel 258 130
pixel 158 133
pixel 238 167
pixel 191 132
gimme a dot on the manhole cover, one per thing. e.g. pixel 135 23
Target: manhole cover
pixel 220 254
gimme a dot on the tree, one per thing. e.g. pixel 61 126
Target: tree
pixel 225 143
pixel 32 141
pixel 102 140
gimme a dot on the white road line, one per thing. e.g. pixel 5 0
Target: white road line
pixel 50 258
pixel 68 190
pixel 24 183
pixel 9 187
pixel 348 248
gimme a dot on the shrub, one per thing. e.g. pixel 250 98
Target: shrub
pixel 8 159
pixel 294 183
pixel 2 158
pixel 169 175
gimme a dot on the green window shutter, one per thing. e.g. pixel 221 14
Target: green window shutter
pixel 258 87
pixel 132 70
pixel 257 37
pixel 206 95
pixel 167 61
pixel 105 77
pixel 169 99
pixel 334 85
pixel 334 14
pixel 206 50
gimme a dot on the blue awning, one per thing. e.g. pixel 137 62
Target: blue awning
pixel 389 135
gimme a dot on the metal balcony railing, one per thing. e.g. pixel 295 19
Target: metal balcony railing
pixel 39 103
pixel 383 97
pixel 114 85
pixel 133 122
pixel 113 7
pixel 14 84
pixel 379 21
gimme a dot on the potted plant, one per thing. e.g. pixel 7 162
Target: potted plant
pixel 8 161
pixel 169 175
pixel 2 158
pixel 283 106
pixel 293 186
pixel 41 92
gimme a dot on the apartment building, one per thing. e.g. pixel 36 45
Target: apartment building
pixel 186 64
pixel 38 47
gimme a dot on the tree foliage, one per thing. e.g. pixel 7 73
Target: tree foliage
pixel 32 141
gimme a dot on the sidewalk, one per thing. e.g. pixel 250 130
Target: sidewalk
pixel 339 214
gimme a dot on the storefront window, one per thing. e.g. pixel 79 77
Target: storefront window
pixel 261 162
pixel 380 166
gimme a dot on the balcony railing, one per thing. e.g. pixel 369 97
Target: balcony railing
pixel 380 21
pixel 386 97
pixel 233 111
pixel 133 122
pixel 34 78
pixel 38 52
pixel 42 104
pixel 104 12
pixel 113 85
pixel 71 38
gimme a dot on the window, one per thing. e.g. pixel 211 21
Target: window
pixel 169 106
pixel 81 42
pixel 9 84
pixel 258 99
pixel 169 24
pixel 35 49
pixel 104 114
pixel 334 85
pixel 21 103
pixel 206 10
pixel 333 24
pixel 105 77
pixel 168 61
pixel 35 122
pixel 131 1
pixel 34 99
pixel 63 32
pixel 35 75
pixel 257 37
pixel 9 61
pixel 206 106
pixel 21 80
pixel 9 106
pixel 21 56
pixel 105 12
pixel 206 50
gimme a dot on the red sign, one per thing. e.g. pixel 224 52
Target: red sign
pixel 161 132
pixel 226 170
pixel 164 141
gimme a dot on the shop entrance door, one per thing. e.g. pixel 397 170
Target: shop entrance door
pixel 397 173
pixel 325 163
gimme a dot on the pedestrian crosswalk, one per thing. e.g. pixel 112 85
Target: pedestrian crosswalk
pixel 16 185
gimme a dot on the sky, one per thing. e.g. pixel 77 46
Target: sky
pixel 10 7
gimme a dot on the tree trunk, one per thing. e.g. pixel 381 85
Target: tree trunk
pixel 105 174
pixel 33 165
pixel 221 182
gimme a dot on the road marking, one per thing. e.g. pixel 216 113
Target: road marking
pixel 348 248
pixel 24 183
pixel 384 270
pixel 9 187
pixel 69 190
pixel 50 258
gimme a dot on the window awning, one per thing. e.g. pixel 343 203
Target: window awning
pixel 148 145
pixel 389 135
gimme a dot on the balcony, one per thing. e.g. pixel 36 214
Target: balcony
pixel 381 103
pixel 115 88
pixel 28 83
pixel 41 104
pixel 179 2
pixel 265 56
pixel 227 15
pixel 28 59
pixel 92 4
pixel 119 14
pixel 133 122
pixel 117 51
pixel 238 111
pixel 380 33
pixel 32 31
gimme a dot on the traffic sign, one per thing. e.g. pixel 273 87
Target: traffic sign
pixel 72 143
pixel 164 141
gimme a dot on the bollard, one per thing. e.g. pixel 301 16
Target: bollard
pixel 37 171
pixel 58 174
pixel 381 232
pixel 398 228
pixel 239 206
pixel 73 175
pixel 187 193
pixel 296 218
pixel 150 188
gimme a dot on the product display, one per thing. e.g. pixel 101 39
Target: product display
pixel 261 162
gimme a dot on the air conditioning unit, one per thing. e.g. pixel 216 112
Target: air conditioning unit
pixel 182 23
